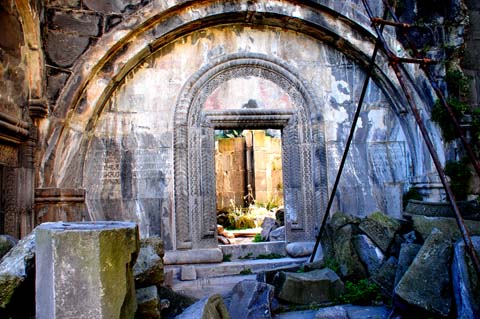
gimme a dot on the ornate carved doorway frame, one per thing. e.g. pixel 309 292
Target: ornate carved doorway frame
pixel 303 149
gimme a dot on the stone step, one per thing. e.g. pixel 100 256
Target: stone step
pixel 198 271
pixel 252 250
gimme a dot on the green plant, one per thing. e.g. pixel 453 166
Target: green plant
pixel 441 116
pixel 362 292
pixel 246 271
pixel 258 238
pixel 332 264
pixel 247 256
pixel 412 193
pixel 460 175
pixel 457 83
pixel 227 257
pixel 301 269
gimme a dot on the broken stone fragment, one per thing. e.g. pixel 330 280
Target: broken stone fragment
pixel 251 299
pixel 466 286
pixel 337 312
pixel 148 270
pixel 7 242
pixel 317 286
pixel 268 225
pixel 381 229
pixel 370 255
pixel 211 307
pixel 385 276
pixel 16 267
pixel 277 234
pixel 148 306
pixel 93 260
pixel 300 249
pixel 424 225
pixel 426 284
pixel 405 258
pixel 345 254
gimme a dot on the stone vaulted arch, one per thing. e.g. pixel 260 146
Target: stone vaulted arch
pixel 67 134
pixel 303 149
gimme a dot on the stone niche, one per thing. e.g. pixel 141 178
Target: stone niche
pixel 150 157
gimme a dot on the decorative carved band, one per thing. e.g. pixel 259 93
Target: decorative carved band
pixel 258 119
pixel 59 195
pixel 12 129
pixel 38 108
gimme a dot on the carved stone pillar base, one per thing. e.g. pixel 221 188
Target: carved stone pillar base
pixel 60 204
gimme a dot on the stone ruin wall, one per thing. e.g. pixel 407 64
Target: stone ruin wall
pixel 121 163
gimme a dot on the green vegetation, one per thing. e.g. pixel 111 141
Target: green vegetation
pixel 460 175
pixel 362 292
pixel 332 264
pixel 440 115
pixel 258 238
pixel 227 257
pixel 412 193
pixel 247 256
pixel 246 271
pixel 269 256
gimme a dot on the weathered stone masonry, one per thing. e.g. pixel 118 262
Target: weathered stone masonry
pixel 118 110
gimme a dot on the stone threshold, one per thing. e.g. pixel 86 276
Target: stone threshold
pixel 200 280
pixel 230 268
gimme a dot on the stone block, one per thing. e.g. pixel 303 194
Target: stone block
pixel 426 284
pixel 277 234
pixel 251 299
pixel 7 242
pixel 148 303
pixel 424 225
pixel 300 249
pixel 317 286
pixel 198 256
pixel 188 272
pixel 212 307
pixel 466 284
pixel 80 23
pixel 64 49
pixel 148 269
pixel 337 312
pixel 84 270
pixel 385 276
pixel 345 254
pixel 370 255
pixel 16 267
pixel 112 6
pixel 405 258
pixel 268 225
pixel 381 229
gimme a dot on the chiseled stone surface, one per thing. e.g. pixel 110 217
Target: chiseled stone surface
pixel 251 299
pixel 300 249
pixel 370 255
pixel 466 286
pixel 84 259
pixel 15 267
pixel 381 229
pixel 148 269
pixel 317 286
pixel 448 225
pixel 426 284
pixel 212 307
pixel 197 256
pixel 148 303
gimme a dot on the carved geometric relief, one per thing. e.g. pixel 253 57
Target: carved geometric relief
pixel 194 148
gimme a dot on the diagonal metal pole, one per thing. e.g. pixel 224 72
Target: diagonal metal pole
pixel 426 137
pixel 458 129
pixel 347 147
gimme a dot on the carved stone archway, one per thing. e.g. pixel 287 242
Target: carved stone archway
pixel 303 149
